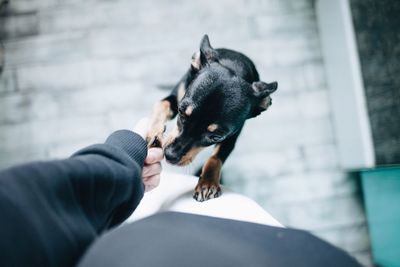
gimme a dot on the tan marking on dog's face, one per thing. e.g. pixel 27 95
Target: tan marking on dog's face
pixel 212 127
pixel 189 156
pixel 181 91
pixel 171 137
pixel 189 110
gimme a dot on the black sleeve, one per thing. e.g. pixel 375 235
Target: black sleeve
pixel 51 211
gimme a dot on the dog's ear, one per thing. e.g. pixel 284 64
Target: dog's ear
pixel 206 55
pixel 261 91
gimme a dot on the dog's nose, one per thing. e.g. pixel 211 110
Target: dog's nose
pixel 171 156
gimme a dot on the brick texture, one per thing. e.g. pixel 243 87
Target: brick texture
pixel 77 70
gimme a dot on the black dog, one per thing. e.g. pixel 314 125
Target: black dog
pixel 219 92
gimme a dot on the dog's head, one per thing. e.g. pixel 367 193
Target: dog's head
pixel 214 107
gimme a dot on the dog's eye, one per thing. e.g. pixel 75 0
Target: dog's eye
pixel 215 138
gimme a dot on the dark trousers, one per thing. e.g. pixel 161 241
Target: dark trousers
pixel 179 239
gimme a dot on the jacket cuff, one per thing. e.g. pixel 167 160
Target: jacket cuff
pixel 131 143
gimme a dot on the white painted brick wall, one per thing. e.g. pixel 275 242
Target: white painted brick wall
pixel 77 70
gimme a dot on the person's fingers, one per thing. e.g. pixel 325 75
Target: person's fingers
pixel 150 170
pixel 152 182
pixel 155 154
pixel 148 188
pixel 142 127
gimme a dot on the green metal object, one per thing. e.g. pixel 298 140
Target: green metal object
pixel 381 188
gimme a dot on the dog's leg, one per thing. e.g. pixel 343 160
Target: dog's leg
pixel 208 186
pixel 163 111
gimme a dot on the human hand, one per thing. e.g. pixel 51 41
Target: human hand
pixel 152 164
pixel 152 168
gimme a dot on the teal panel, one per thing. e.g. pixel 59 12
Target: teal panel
pixel 381 188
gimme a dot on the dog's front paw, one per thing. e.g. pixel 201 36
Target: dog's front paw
pixel 206 189
pixel 154 137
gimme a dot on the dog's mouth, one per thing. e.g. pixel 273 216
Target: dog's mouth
pixel 183 161
pixel 180 160
pixel 175 161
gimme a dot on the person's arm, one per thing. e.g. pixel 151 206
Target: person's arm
pixel 51 211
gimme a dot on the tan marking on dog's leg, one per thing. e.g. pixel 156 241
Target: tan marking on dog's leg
pixel 212 169
pixel 216 150
pixel 208 186
pixel 161 114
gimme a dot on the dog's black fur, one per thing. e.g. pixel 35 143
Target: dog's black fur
pixel 219 92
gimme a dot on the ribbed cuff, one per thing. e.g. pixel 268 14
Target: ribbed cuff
pixel 130 142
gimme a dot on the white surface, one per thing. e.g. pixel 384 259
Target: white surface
pixel 346 87
pixel 175 194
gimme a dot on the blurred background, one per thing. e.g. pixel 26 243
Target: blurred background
pixel 74 71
